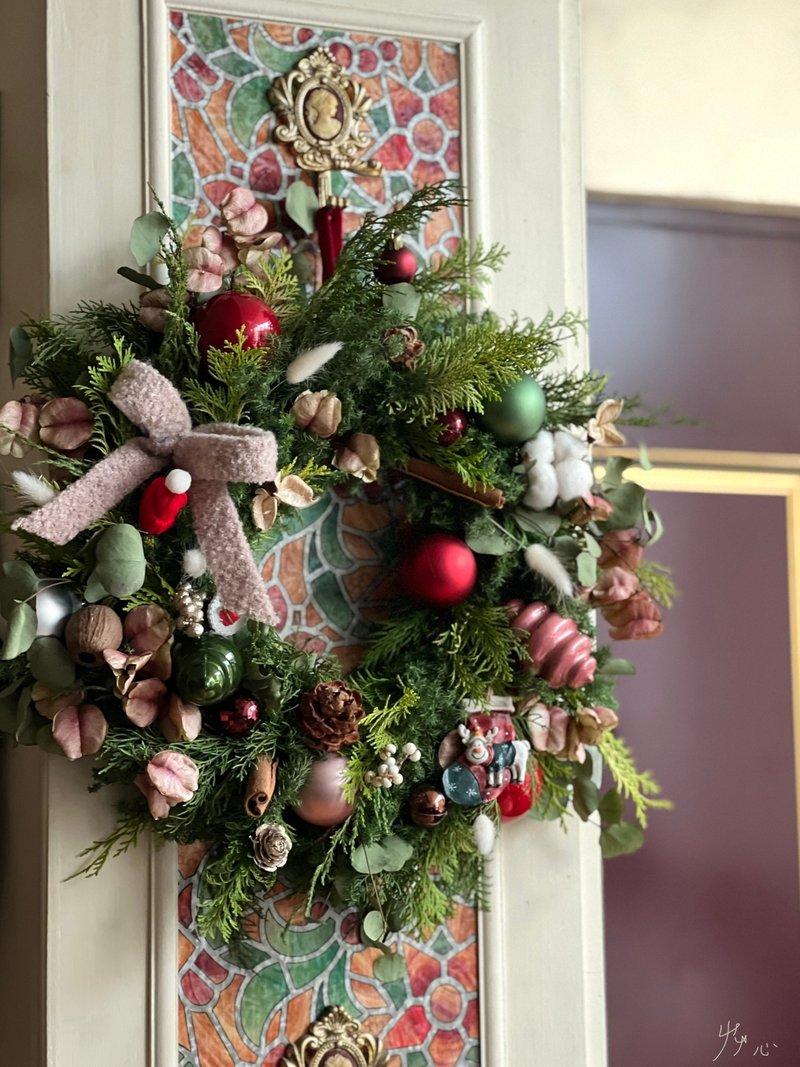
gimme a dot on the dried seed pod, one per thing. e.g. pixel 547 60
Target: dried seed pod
pixel 319 413
pixel 90 631
pixel 65 423
pixel 260 787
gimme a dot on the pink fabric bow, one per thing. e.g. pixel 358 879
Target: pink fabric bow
pixel 213 454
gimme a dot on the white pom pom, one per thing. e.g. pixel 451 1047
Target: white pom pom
pixel 484 834
pixel 542 489
pixel 575 478
pixel 544 562
pixel 567 446
pixel 194 563
pixel 539 449
pixel 308 363
pixel 31 487
pixel 178 481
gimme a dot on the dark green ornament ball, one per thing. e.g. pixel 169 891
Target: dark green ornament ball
pixel 208 669
pixel 518 415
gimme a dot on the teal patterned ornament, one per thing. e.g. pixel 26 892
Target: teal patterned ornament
pixel 519 413
pixel 208 669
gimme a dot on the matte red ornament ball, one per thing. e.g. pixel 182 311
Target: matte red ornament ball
pixel 240 718
pixel 395 265
pixel 455 425
pixel 438 569
pixel 218 321
pixel 516 799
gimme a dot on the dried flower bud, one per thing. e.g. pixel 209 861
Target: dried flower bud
pixel 319 413
pixel 271 846
pixel 65 423
pixel 80 731
pixel 360 456
pixel 593 721
pixel 404 345
pixel 180 721
pixel 147 627
pixel 264 509
pixel 18 419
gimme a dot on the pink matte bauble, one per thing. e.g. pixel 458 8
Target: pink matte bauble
pixel 321 800
pixel 218 321
pixel 455 425
pixel 439 569
pixel 516 799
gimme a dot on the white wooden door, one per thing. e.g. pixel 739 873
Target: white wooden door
pixel 108 958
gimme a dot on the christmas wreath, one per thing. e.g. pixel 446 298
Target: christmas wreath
pixel 181 437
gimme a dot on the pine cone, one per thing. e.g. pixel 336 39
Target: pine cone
pixel 329 715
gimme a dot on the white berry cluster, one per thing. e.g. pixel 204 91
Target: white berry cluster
pixel 389 771
pixel 190 606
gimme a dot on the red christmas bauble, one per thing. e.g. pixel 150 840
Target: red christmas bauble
pixel 240 717
pixel 218 321
pixel 438 570
pixel 455 425
pixel 516 799
pixel 395 264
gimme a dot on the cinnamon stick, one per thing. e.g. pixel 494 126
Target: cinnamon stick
pixel 260 787
pixel 451 483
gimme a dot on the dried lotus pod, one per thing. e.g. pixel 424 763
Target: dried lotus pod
pixel 90 631
pixel 557 650
pixel 65 423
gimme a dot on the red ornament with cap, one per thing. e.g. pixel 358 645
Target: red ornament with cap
pixel 162 499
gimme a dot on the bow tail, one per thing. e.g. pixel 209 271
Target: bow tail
pixel 222 541
pixel 99 490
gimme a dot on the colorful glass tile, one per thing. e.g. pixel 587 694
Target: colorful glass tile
pixel 223 126
pixel 242 1003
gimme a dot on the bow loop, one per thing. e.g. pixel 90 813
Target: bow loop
pixel 214 455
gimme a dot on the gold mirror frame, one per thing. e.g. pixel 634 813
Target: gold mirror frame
pixel 335 1040
pixel 774 474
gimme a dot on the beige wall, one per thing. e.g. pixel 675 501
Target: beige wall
pixel 697 99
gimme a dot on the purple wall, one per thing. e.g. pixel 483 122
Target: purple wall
pixel 702 925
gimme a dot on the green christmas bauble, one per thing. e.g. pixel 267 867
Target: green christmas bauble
pixel 208 669
pixel 518 415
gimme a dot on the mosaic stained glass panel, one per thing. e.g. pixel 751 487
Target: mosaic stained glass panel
pixel 241 1005
pixel 222 127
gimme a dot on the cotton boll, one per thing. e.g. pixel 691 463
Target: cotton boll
pixel 308 363
pixel 542 487
pixel 194 563
pixel 483 832
pixel 567 446
pixel 575 478
pixel 539 449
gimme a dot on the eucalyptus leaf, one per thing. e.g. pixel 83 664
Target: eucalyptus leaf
pixel 95 590
pixel 373 927
pixel 654 526
pixel 391 967
pixel 487 540
pixel 585 797
pixel 21 631
pixel 147 232
pixel 592 545
pixel 138 278
pixel 402 297
pixel 21 352
pixel 545 809
pixel 584 770
pixel 46 741
pixel 544 523
pixel 587 569
pixel 50 663
pixel 615 468
pixel 28 721
pixel 644 458
pixel 389 854
pixel 617 665
pixel 628 500
pixel 19 583
pixel 567 549
pixel 302 204
pixel 620 839
pixel 611 806
pixel 120 566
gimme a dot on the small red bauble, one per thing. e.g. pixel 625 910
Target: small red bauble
pixel 455 425
pixel 516 799
pixel 396 263
pixel 218 321
pixel 439 569
pixel 240 718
